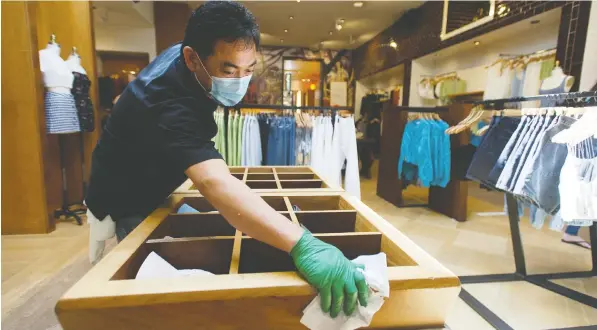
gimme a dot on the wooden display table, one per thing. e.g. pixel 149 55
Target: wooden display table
pixel 256 286
pixel 273 179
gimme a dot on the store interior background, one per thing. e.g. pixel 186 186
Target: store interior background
pixel 42 257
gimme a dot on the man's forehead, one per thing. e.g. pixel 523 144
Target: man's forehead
pixel 239 53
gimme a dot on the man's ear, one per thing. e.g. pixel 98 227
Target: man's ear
pixel 189 58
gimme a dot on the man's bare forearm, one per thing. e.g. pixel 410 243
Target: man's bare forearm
pixel 242 208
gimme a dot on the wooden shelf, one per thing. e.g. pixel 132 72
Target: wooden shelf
pixel 255 286
pixel 272 179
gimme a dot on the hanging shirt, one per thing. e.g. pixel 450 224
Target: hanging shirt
pixel 162 124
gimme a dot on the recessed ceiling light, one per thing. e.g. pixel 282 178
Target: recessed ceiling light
pixel 291 17
pixel 477 43
pixel 331 32
pixel 282 40
pixel 298 0
pixel 358 4
pixel 285 30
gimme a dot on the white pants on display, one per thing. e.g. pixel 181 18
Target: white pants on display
pixel 344 148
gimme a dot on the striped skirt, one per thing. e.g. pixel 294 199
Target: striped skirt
pixel 61 114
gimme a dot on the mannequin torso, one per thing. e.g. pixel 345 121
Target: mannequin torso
pixel 57 76
pixel 558 78
pixel 74 64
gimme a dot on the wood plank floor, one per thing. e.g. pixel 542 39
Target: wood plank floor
pixel 31 260
pixel 479 246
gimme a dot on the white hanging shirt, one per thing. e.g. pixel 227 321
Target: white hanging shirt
pixel 56 73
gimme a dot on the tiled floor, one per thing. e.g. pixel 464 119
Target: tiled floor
pixel 480 245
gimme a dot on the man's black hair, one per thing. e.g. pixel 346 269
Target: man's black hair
pixel 229 21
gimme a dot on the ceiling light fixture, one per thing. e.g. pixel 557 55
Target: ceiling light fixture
pixel 358 4
pixel 298 0
pixel 282 40
pixel 286 30
pixel 331 32
pixel 339 23
pixel 477 43
pixel 290 17
pixel 393 44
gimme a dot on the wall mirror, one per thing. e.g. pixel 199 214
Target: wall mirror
pixel 461 16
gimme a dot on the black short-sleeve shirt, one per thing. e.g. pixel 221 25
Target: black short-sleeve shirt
pixel 161 125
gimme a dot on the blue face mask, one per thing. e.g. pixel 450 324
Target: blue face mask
pixel 227 91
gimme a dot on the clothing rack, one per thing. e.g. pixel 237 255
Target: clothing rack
pixel 439 75
pixel 289 107
pixel 545 51
pixel 550 97
pixel 419 110
pixel 422 109
pixel 520 274
pixel 451 200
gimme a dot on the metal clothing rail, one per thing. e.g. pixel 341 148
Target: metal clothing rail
pixel 288 107
pixel 520 274
pixel 422 109
pixel 549 97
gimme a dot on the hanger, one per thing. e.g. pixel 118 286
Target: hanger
pixel 581 130
pixel 455 128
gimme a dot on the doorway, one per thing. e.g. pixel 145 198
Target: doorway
pixel 303 82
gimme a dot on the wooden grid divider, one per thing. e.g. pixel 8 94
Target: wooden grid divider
pixel 292 215
pixel 246 175
pixel 278 184
pixel 259 279
pixel 235 261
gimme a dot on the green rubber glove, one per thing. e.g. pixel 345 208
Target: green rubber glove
pixel 335 277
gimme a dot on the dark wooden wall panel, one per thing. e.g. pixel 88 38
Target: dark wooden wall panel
pixel 170 20
pixel 417 33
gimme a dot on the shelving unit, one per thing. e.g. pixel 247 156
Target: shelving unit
pixel 256 286
pixel 272 179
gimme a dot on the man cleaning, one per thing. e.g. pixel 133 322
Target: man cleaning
pixel 160 133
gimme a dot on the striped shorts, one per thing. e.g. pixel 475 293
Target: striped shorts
pixel 61 114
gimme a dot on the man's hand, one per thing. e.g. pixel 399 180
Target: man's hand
pixel 337 279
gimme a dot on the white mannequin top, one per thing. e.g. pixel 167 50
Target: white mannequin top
pixel 56 73
pixel 557 78
pixel 74 63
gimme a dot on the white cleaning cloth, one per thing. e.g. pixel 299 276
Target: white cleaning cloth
pixel 376 274
pixel 155 266
pixel 99 233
